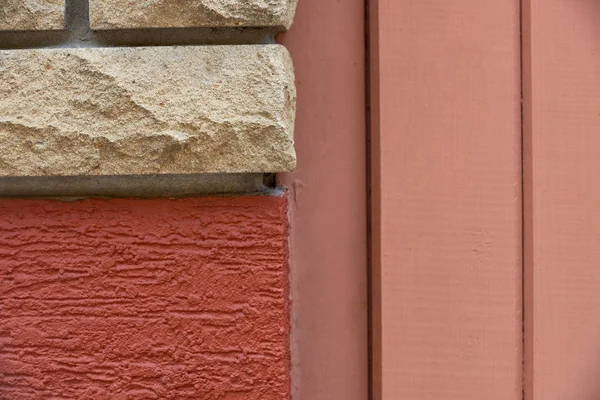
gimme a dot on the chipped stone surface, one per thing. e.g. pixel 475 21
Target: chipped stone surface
pixel 19 15
pixel 123 14
pixel 135 111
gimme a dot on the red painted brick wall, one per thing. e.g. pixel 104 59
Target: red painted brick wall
pixel 144 299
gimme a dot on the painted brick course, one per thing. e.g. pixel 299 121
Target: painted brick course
pixel 144 299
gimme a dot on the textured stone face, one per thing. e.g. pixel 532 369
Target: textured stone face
pixel 18 15
pixel 129 111
pixel 123 14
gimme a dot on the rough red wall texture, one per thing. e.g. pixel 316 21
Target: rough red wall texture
pixel 144 299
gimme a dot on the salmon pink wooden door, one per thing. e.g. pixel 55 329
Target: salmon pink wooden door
pixel 446 223
pixel 485 166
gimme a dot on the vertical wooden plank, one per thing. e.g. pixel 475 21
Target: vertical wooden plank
pixel 447 199
pixel 562 115
pixel 328 194
pixel 527 200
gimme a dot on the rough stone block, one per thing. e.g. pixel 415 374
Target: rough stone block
pixel 136 111
pixel 124 14
pixel 21 15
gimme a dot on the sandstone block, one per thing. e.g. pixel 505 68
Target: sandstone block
pixel 20 15
pixel 124 14
pixel 154 110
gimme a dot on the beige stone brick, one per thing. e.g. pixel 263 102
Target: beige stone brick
pixel 123 14
pixel 152 110
pixel 21 15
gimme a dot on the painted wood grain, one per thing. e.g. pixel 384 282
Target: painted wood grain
pixel 562 180
pixel 446 199
pixel 328 245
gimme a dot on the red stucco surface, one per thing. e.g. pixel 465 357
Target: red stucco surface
pixel 144 299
